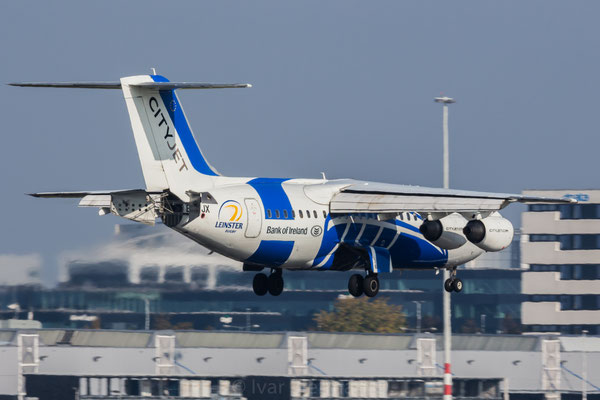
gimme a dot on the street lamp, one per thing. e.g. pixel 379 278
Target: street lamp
pixel 445 101
pixel 584 368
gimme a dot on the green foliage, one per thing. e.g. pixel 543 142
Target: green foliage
pixel 362 315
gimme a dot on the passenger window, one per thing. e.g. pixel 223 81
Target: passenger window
pixel 401 216
pixel 315 213
pixel 307 214
pixel 300 213
pixel 276 213
pixel 324 214
pixel 285 214
pixel 269 215
pixel 293 214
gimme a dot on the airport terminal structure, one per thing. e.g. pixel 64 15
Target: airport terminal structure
pixel 101 364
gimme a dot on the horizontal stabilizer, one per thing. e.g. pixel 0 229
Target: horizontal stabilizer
pixel 147 85
pixel 134 204
pixel 78 195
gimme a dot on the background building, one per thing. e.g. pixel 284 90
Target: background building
pixel 560 251
pixel 145 274
pixel 70 364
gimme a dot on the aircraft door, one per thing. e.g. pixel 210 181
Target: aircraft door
pixel 254 223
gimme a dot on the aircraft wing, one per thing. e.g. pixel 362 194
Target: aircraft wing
pixel 371 197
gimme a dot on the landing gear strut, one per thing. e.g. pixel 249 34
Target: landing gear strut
pixel 369 285
pixel 453 284
pixel 272 284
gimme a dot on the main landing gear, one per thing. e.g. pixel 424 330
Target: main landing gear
pixel 453 284
pixel 369 285
pixel 272 283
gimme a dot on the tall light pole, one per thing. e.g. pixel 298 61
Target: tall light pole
pixel 446 295
pixel 584 368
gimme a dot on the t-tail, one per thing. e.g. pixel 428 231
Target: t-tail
pixel 169 154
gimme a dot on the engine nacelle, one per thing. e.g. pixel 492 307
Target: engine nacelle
pixel 493 233
pixel 446 233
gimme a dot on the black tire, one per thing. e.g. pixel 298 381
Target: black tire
pixel 275 284
pixel 355 285
pixel 448 285
pixel 457 285
pixel 371 285
pixel 260 284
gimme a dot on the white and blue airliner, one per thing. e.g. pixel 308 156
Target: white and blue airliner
pixel 278 224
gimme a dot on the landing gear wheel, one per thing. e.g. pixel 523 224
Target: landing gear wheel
pixel 355 285
pixel 260 284
pixel 457 285
pixel 448 285
pixel 371 285
pixel 275 284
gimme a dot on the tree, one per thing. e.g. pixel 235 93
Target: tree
pixel 362 315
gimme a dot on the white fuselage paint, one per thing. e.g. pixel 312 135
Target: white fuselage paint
pixel 228 237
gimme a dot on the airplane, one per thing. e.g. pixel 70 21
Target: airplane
pixel 278 224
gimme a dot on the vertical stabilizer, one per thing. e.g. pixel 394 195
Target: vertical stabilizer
pixel 168 152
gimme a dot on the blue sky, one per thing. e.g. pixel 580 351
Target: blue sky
pixel 344 87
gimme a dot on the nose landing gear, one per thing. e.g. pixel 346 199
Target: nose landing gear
pixel 273 283
pixel 369 285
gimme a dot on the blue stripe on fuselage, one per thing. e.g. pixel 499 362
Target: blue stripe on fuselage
pixel 182 127
pixel 410 250
pixel 368 234
pixel 353 232
pixel 273 196
pixel 330 240
pixel 272 253
pixel 386 237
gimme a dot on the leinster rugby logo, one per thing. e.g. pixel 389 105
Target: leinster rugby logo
pixel 230 215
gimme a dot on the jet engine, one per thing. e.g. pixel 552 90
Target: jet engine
pixel 493 233
pixel 446 233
